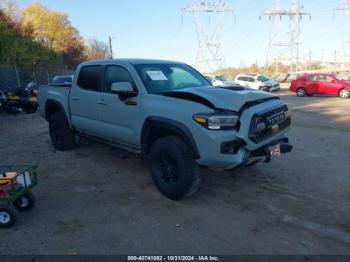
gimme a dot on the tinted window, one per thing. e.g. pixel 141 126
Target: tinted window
pixel 116 74
pixel 90 78
pixel 311 78
pixel 250 79
pixel 242 78
pixel 324 78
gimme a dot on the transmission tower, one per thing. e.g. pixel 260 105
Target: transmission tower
pixel 209 55
pixel 344 8
pixel 278 50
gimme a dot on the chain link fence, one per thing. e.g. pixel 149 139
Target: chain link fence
pixel 12 77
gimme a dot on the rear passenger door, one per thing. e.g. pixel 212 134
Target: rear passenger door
pixel 84 97
pixel 311 85
pixel 119 116
pixel 242 81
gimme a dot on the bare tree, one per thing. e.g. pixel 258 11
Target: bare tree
pixel 96 49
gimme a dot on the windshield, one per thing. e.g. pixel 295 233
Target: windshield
pixel 263 79
pixel 220 78
pixel 159 78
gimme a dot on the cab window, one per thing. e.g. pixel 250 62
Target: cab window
pixel 90 78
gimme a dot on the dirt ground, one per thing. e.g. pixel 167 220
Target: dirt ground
pixel 90 202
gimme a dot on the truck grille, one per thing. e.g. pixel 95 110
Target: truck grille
pixel 266 125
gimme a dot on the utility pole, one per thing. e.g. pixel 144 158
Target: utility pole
pixel 110 47
pixel 295 14
pixel 322 55
pixel 209 55
pixel 310 57
pixel 344 9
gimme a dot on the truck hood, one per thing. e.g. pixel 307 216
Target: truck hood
pixel 221 98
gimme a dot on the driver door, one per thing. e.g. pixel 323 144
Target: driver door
pixel 119 116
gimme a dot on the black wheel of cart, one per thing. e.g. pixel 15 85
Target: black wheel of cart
pixel 8 216
pixel 25 203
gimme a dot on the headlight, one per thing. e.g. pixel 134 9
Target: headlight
pixel 217 121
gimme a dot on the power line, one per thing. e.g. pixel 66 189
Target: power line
pixel 209 55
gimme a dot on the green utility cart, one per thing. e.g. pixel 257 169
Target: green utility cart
pixel 16 183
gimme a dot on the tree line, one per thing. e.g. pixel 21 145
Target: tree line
pixel 38 37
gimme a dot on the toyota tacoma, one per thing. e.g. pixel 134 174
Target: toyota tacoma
pixel 170 113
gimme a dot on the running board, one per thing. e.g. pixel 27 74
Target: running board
pixel 117 148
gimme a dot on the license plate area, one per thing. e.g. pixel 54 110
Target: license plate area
pixel 275 151
pixel 276 119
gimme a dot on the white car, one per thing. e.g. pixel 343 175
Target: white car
pixel 258 82
pixel 220 81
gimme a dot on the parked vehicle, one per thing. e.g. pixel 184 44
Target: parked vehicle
pixel 220 81
pixel 22 100
pixel 258 82
pixel 167 111
pixel 325 84
pixel 62 80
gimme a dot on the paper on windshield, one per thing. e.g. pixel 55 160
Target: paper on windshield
pixel 157 75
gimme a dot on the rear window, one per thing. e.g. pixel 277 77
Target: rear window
pixel 90 78
pixel 311 78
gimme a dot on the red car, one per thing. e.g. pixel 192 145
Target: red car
pixel 325 84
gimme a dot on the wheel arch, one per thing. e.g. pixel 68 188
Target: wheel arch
pixel 52 107
pixel 302 87
pixel 157 127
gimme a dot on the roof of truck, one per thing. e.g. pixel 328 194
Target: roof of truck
pixel 133 61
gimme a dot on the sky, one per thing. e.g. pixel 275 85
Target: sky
pixel 158 28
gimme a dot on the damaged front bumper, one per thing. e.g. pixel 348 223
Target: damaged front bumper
pixel 268 152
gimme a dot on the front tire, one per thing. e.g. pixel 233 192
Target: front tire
pixel 8 217
pixel 344 93
pixel 301 92
pixel 173 168
pixel 62 136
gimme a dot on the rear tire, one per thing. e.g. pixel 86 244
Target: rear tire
pixel 301 92
pixel 25 203
pixel 344 93
pixel 62 136
pixel 8 216
pixel 173 168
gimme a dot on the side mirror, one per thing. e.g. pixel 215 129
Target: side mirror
pixel 123 88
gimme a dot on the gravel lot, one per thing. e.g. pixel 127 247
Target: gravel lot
pixel 90 202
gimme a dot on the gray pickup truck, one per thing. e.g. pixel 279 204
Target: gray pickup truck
pixel 169 112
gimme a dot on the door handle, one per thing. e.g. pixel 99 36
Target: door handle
pixel 102 102
pixel 130 103
pixel 75 98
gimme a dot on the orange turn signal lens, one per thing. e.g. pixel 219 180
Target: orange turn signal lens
pixel 200 120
